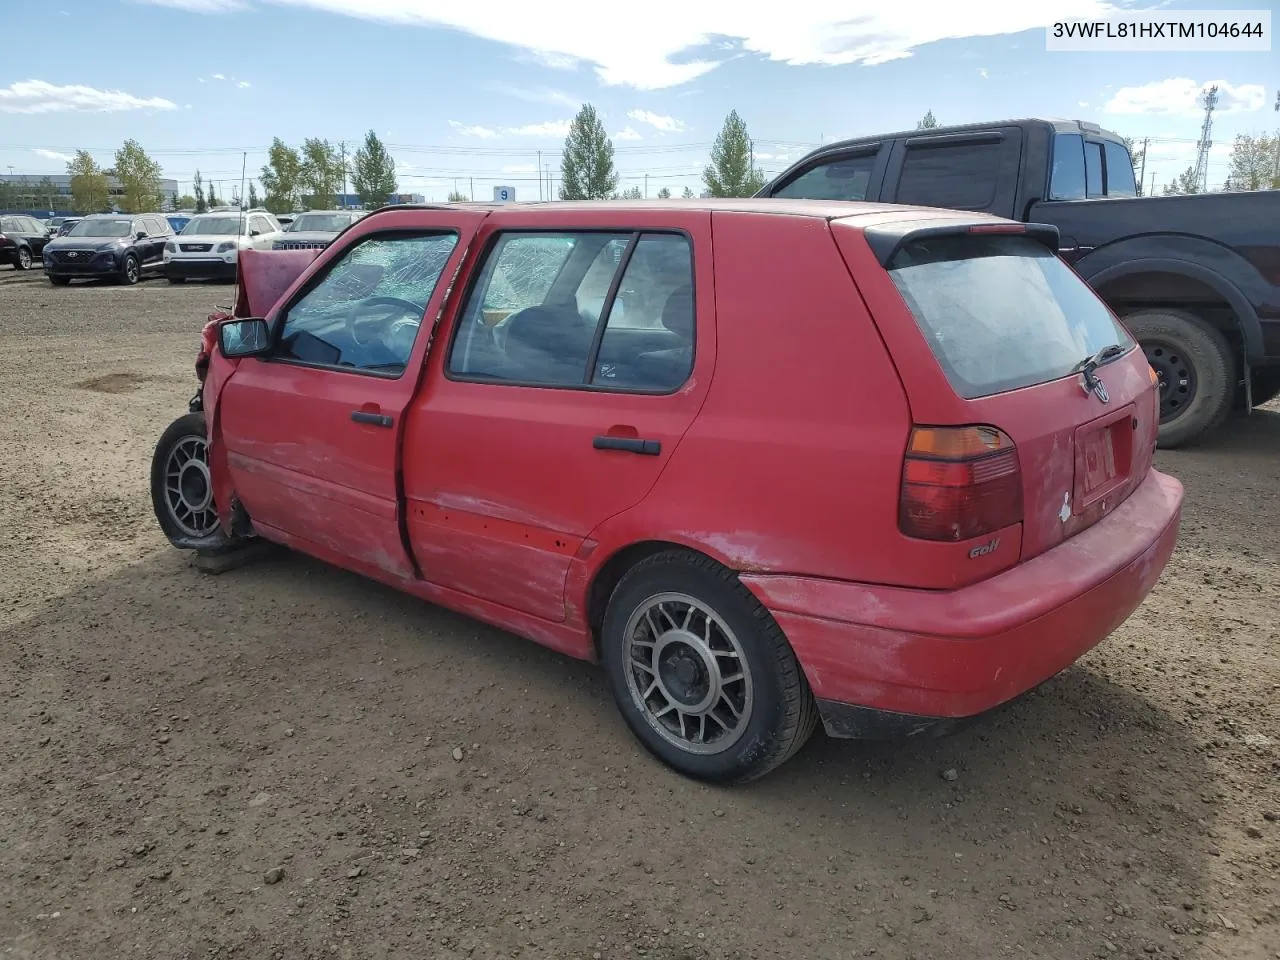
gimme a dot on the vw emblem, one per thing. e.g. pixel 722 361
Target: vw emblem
pixel 1091 384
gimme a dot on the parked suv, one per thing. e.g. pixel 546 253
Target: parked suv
pixel 210 244
pixel 116 246
pixel 769 461
pixel 22 239
pixel 316 229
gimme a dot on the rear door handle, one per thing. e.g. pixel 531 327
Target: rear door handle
pixel 648 448
pixel 376 419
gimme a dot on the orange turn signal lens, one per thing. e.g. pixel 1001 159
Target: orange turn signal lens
pixel 957 443
pixel 1155 378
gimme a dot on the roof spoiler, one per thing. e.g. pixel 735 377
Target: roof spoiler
pixel 887 239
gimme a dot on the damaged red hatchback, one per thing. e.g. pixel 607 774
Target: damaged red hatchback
pixel 769 461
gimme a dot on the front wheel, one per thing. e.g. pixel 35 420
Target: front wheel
pixel 182 485
pixel 1195 369
pixel 132 272
pixel 701 672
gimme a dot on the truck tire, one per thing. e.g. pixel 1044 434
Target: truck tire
pixel 1196 369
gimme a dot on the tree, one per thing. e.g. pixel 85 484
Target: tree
pixel 373 172
pixel 90 189
pixel 254 200
pixel 664 193
pixel 1136 155
pixel 1184 182
pixel 322 172
pixel 185 202
pixel 927 122
pixel 586 168
pixel 732 171
pixel 139 179
pixel 631 193
pixel 687 194
pixel 1253 160
pixel 213 196
pixel 282 178
pixel 197 187
pixel 456 197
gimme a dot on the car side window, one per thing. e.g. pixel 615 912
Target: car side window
pixel 1067 177
pixel 962 176
pixel 844 179
pixel 366 310
pixel 1120 177
pixel 1093 169
pixel 649 333
pixel 139 226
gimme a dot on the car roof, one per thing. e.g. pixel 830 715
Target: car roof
pixel 849 212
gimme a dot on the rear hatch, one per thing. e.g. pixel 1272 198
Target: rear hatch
pixel 989 328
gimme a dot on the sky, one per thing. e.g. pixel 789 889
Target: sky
pixel 474 95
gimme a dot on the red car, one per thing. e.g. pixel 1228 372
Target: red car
pixel 769 461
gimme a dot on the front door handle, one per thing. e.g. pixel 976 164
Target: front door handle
pixel 376 419
pixel 648 448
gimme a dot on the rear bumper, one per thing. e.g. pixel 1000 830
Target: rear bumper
pixel 193 269
pixel 886 661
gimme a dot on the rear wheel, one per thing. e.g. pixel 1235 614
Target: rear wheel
pixel 182 484
pixel 1195 369
pixel 24 258
pixel 701 672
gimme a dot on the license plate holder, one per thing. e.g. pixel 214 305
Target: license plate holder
pixel 1104 452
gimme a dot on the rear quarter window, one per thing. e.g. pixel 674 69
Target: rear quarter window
pixel 1001 312
pixel 961 176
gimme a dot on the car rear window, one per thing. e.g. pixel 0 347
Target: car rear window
pixel 1001 312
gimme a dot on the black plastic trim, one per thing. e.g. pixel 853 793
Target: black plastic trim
pixel 887 239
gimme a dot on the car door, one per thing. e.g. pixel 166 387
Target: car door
pixel 312 431
pixel 565 388
pixel 151 248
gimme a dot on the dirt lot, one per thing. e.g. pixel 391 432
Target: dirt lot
pixel 170 738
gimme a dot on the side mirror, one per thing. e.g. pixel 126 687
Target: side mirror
pixel 255 233
pixel 244 338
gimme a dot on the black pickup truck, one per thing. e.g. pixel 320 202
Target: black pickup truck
pixel 1195 278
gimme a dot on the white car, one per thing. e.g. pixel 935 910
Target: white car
pixel 209 246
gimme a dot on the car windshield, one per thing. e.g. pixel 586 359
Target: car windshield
pixel 214 226
pixel 101 228
pixel 321 222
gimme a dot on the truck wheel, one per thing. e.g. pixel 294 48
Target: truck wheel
pixel 181 485
pixel 1196 370
pixel 701 672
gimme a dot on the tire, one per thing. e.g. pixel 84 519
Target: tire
pixel 131 272
pixel 181 489
pixel 23 262
pixel 60 281
pixel 776 707
pixel 1196 368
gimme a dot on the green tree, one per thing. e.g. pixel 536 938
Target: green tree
pixel 586 168
pixel 282 178
pixel 139 178
pixel 1253 162
pixel 732 171
pixel 664 193
pixel 1136 155
pixel 456 197
pixel 212 197
pixel 1183 183
pixel 254 200
pixel 687 194
pixel 373 172
pixel 631 193
pixel 185 202
pixel 197 187
pixel 927 122
pixel 90 189
pixel 322 172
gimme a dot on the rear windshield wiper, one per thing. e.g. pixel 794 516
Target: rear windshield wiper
pixel 1090 364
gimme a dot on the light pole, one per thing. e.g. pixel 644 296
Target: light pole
pixel 1275 152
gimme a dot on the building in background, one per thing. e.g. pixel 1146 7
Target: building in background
pixel 49 194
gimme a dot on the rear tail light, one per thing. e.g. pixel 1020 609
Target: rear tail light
pixel 959 483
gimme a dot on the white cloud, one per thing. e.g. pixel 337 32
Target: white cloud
pixel 37 96
pixel 1082 103
pixel 982 72
pixel 53 155
pixel 219 76
pixel 483 133
pixel 627 134
pixel 657 121
pixel 243 84
pixel 644 53
pixel 534 94
pixel 552 128
pixel 199 6
pixel 1179 96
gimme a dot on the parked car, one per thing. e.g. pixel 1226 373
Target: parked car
pixel 1195 278
pixel 22 239
pixel 821 465
pixel 209 246
pixel 115 246
pixel 285 219
pixel 178 221
pixel 316 229
pixel 65 226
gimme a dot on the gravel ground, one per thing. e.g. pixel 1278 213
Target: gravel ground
pixel 265 764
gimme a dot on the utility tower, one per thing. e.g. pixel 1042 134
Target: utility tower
pixel 1208 100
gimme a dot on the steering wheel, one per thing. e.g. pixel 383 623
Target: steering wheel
pixel 358 316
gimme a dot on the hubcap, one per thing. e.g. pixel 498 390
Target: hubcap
pixel 687 673
pixel 24 258
pixel 1176 376
pixel 131 268
pixel 188 490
